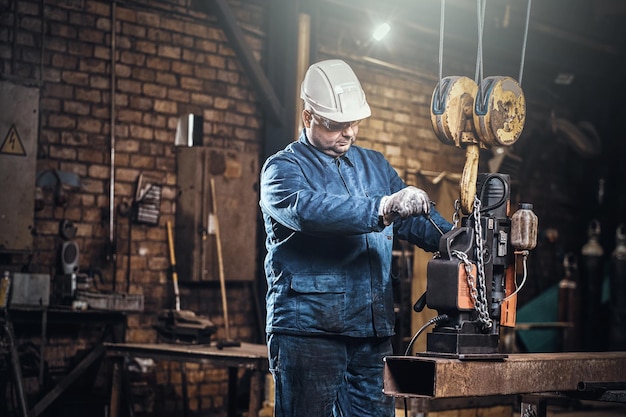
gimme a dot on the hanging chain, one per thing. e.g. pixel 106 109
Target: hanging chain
pixel 480 266
pixel 477 287
pixel 471 283
pixel 456 216
pixel 475 294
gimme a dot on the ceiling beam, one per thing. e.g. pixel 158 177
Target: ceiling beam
pixel 265 92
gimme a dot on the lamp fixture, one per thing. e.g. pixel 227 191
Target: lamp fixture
pixel 381 31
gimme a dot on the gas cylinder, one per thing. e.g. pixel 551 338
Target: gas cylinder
pixel 524 228
pixel 617 340
pixel 591 291
pixel 568 304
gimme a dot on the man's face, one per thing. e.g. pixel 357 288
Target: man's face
pixel 332 138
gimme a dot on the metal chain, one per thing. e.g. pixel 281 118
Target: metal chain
pixel 477 288
pixel 456 216
pixel 471 283
pixel 483 313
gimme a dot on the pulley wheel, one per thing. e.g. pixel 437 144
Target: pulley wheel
pixel 451 108
pixel 499 111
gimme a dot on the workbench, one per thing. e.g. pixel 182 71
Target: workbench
pixel 44 323
pixel 247 355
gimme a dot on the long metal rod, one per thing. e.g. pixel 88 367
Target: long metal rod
pixel 441 377
pixel 112 133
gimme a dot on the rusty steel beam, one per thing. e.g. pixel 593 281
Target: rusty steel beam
pixel 439 377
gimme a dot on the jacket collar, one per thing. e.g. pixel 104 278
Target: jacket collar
pixel 327 159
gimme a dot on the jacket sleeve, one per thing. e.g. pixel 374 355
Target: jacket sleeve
pixel 419 230
pixel 302 205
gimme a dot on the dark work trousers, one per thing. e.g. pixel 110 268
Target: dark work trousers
pixel 329 376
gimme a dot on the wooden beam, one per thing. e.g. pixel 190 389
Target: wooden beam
pixel 265 93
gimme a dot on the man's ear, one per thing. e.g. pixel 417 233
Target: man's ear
pixel 306 118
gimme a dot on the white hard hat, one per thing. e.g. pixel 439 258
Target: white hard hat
pixel 333 91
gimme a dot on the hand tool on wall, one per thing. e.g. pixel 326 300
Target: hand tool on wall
pixel 220 263
pixel 170 246
pixel 182 326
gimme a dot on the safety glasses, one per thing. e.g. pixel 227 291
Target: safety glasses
pixel 333 126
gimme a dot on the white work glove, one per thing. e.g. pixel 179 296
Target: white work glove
pixel 410 201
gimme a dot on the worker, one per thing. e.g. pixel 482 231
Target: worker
pixel 330 210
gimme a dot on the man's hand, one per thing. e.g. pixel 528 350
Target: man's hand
pixel 410 201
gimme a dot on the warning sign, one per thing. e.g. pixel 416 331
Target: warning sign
pixel 12 144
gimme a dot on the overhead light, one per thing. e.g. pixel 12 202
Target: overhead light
pixel 564 78
pixel 381 31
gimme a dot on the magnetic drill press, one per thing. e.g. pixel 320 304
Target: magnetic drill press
pixel 472 281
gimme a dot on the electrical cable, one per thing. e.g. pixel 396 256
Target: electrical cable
pixel 434 320
pixel 518 288
pixel 502 198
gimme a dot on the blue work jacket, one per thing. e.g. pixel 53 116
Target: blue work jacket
pixel 328 262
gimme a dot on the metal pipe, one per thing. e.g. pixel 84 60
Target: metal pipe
pixel 112 133
pixel 14 40
pixel 43 39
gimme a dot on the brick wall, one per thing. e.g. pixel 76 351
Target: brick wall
pixel 170 60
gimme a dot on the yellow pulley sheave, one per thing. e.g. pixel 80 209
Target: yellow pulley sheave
pixel 466 116
pixel 477 114
pixel 500 113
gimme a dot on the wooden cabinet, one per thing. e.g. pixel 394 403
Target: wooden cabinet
pixel 235 176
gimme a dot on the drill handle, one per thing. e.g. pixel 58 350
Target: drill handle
pixel 420 303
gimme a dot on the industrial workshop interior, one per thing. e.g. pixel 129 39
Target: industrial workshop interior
pixel 132 245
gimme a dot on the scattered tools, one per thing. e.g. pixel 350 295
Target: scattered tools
pixel 182 326
pixel 228 342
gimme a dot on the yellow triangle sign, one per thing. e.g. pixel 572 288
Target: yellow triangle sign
pixel 12 144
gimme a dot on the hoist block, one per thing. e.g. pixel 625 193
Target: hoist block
pixel 452 107
pixel 499 111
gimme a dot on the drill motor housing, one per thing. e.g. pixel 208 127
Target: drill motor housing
pixel 468 332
